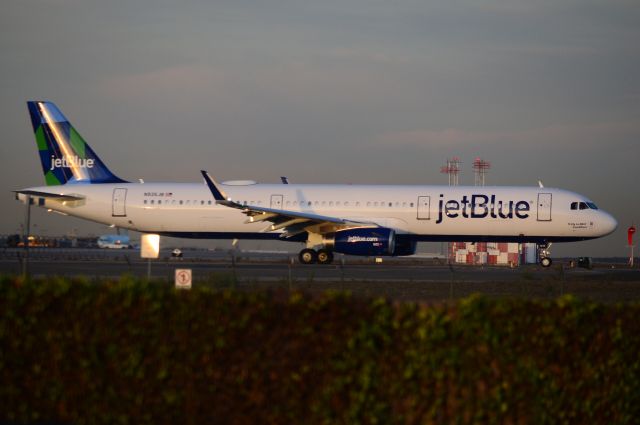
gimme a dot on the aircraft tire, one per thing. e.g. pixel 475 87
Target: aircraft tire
pixel 308 256
pixel 325 256
pixel 545 262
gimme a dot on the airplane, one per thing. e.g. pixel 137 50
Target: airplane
pixel 114 242
pixel 366 220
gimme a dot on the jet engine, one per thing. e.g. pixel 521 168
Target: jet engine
pixel 362 241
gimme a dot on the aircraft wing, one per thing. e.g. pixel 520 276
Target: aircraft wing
pixel 293 222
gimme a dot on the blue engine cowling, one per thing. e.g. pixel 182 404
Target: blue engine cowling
pixel 363 241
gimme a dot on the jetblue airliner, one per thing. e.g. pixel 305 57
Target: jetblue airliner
pixel 369 220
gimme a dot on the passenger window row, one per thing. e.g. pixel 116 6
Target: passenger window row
pixel 288 203
pixel 176 202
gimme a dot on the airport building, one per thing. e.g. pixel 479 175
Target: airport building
pixel 492 253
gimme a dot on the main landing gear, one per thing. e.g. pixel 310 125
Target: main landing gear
pixel 544 254
pixel 311 256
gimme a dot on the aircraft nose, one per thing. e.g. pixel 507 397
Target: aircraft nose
pixel 609 224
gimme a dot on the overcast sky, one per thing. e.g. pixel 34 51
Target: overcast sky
pixel 348 91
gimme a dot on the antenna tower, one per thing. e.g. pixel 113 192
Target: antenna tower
pixel 480 169
pixel 452 169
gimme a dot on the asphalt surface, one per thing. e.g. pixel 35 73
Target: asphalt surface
pixel 408 279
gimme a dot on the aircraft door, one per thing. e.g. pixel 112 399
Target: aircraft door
pixel 276 202
pixel 119 202
pixel 424 207
pixel 544 207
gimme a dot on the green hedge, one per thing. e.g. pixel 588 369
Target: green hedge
pixel 133 352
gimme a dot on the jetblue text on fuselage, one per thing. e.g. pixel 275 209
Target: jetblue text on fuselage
pixel 481 206
pixel 71 162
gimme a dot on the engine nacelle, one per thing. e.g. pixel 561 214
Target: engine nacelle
pixel 362 241
pixel 404 247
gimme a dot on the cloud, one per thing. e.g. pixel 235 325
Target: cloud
pixel 184 82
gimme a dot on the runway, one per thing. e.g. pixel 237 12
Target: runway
pixel 400 278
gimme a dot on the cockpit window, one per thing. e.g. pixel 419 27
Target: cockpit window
pixel 583 206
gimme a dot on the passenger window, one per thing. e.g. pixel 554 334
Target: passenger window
pixel 201 202
pixel 152 202
pixel 390 204
pixel 159 201
pixel 181 202
pixel 330 203
pixel 411 204
pixel 209 202
pixel 145 201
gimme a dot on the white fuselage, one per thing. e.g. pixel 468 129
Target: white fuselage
pixel 420 212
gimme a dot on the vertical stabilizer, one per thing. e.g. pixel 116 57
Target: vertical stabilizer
pixel 65 156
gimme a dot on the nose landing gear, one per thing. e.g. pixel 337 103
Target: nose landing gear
pixel 544 254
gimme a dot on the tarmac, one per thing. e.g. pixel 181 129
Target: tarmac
pixel 402 279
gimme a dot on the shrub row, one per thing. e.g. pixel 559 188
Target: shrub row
pixel 134 352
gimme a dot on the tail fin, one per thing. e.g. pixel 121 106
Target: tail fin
pixel 65 156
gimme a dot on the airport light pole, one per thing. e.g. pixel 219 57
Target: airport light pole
pixel 25 238
pixel 630 231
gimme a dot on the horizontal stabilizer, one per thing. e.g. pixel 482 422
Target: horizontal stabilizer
pixel 47 195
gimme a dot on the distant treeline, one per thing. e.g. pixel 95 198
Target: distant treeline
pixel 82 352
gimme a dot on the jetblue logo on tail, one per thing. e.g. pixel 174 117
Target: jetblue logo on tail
pixel 71 162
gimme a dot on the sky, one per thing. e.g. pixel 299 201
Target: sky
pixel 347 91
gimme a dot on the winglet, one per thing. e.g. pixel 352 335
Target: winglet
pixel 218 195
